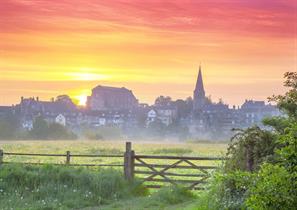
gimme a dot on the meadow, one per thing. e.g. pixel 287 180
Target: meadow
pixel 78 181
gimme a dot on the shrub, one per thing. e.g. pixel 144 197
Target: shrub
pixel 249 148
pixel 172 195
pixel 274 188
pixel 225 191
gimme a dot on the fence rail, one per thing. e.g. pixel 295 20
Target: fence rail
pixel 150 169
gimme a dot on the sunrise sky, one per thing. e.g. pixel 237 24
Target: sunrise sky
pixel 154 47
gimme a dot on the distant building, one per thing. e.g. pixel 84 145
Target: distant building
pixel 166 114
pixel 60 119
pixel 216 120
pixel 110 98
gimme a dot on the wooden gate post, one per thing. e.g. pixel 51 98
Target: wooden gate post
pixel 129 162
pixel 68 157
pixel 1 156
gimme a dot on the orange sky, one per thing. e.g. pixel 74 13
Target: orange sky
pixel 52 47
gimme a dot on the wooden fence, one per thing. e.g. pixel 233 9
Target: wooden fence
pixel 153 173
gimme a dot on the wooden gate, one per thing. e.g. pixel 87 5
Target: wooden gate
pixel 154 171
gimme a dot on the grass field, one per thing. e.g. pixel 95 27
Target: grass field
pixel 115 147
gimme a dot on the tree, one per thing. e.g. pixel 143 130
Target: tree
pixel 40 129
pixel 249 149
pixel 43 130
pixel 163 101
pixel 184 108
pixel 8 126
pixel 57 131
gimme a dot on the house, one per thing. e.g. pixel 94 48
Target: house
pixel 166 114
pixel 60 119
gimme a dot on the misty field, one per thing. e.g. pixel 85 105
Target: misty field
pixel 207 149
pixel 74 187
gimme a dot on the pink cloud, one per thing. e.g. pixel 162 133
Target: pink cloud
pixel 273 18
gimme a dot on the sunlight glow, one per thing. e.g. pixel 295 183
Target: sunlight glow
pixel 85 76
pixel 82 100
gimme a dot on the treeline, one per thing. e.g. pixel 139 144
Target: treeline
pixel 9 129
pixel 261 167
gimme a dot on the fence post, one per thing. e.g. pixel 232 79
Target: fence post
pixel 68 157
pixel 129 162
pixel 1 156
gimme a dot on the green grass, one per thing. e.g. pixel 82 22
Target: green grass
pixel 58 187
pixel 112 192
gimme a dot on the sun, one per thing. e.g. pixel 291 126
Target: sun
pixel 82 100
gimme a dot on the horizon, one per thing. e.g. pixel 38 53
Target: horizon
pixel 150 47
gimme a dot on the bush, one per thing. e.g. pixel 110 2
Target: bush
pixel 44 130
pixel 225 191
pixel 274 188
pixel 172 195
pixel 249 148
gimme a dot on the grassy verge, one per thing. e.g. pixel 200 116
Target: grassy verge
pixel 52 187
pixel 59 187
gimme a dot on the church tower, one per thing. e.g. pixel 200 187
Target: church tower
pixel 199 93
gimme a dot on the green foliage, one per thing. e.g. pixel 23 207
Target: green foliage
pixel 43 130
pixel 249 148
pixel 8 126
pixel 225 191
pixel 274 188
pixel 40 129
pixel 270 159
pixel 288 101
pixel 61 187
pixel 7 131
pixel 172 195
pixel 157 128
pixel 288 152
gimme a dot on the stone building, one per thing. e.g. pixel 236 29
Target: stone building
pixel 110 98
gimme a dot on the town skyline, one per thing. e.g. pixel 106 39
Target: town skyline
pixel 82 100
pixel 152 47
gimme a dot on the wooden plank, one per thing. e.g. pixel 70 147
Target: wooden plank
pixel 175 180
pixel 160 186
pixel 171 174
pixel 1 156
pixel 178 157
pixel 201 181
pixel 111 156
pixel 181 167
pixel 158 172
pixel 60 155
pixel 153 186
pixel 60 164
pixel 32 154
pixel 197 167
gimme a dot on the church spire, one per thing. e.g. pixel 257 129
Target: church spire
pixel 199 93
pixel 199 83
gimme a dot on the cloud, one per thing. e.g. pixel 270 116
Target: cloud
pixel 276 18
